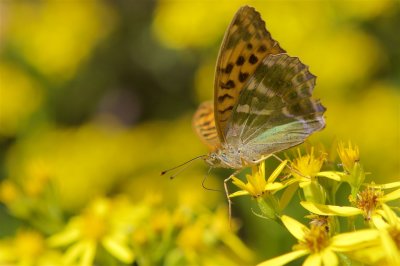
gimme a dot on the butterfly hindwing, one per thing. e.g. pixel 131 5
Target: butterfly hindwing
pixel 204 125
pixel 245 45
pixel 275 110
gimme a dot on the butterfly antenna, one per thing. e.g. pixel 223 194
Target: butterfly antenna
pixel 204 181
pixel 188 163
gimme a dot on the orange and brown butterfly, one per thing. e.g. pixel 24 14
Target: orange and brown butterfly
pixel 262 98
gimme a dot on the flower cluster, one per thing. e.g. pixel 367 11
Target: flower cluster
pixel 324 242
pixel 118 231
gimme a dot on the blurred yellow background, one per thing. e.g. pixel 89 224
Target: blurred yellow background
pixel 98 95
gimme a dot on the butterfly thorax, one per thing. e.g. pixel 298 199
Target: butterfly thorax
pixel 230 156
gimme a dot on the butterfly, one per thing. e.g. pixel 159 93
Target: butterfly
pixel 262 98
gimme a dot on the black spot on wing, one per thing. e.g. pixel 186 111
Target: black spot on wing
pixel 228 85
pixel 229 68
pixel 243 76
pixel 253 59
pixel 240 61
pixel 262 49
pixel 222 98
pixel 229 108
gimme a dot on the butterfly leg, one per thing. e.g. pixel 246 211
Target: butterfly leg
pixel 263 159
pixel 227 195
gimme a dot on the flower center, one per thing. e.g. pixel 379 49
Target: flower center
pixel 94 227
pixel 316 240
pixel 367 201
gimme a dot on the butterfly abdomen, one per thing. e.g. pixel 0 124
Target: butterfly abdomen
pixel 204 125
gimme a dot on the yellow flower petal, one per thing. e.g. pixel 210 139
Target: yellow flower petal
pixel 88 253
pixel 64 238
pixel 118 250
pixel 74 252
pixel 369 255
pixel 355 240
pixel 274 186
pixel 261 168
pixel 237 246
pixel 277 171
pixel 390 248
pixel 313 260
pixel 239 183
pixel 386 186
pixel 329 258
pixel 390 215
pixel 338 176
pixel 298 230
pixel 239 193
pixel 330 209
pixel 283 259
pixel 390 196
pixel 256 183
pixel 378 222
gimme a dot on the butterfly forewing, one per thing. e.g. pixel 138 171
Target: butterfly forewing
pixel 204 125
pixel 275 110
pixel 246 44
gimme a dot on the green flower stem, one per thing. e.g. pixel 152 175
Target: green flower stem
pixel 357 177
pixel 269 207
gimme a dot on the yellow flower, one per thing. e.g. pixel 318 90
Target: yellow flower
pixel 202 238
pixel 388 225
pixel 306 167
pixel 257 187
pixel 319 246
pixel 348 155
pixel 368 202
pixel 354 172
pixel 256 184
pixel 83 25
pixel 38 178
pixel 98 225
pixel 218 223
pixel 28 247
pixel 9 192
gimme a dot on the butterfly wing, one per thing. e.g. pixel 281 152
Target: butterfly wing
pixel 245 45
pixel 275 110
pixel 204 125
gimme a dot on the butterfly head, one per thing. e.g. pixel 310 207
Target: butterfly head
pixel 221 158
pixel 213 159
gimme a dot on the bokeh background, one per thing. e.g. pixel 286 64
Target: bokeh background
pixel 98 96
